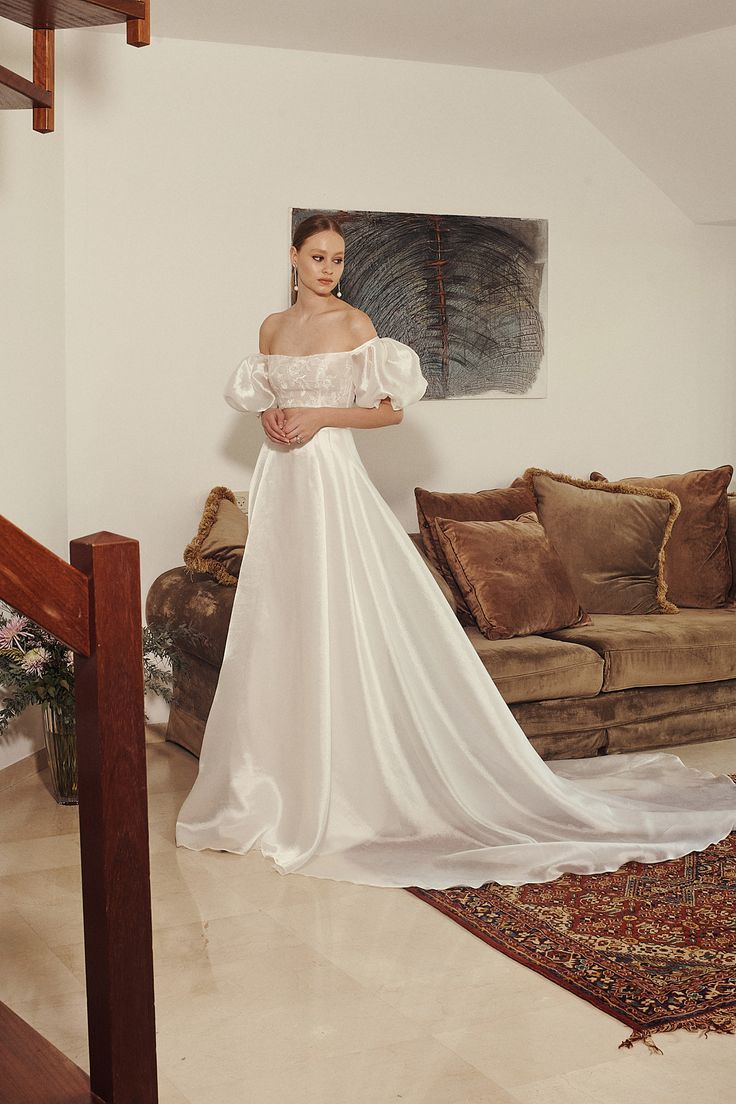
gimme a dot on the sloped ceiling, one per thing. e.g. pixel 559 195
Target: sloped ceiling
pixel 658 77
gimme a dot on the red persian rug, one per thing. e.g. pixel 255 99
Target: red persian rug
pixel 653 944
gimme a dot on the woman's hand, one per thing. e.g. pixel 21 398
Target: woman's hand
pixel 272 421
pixel 302 421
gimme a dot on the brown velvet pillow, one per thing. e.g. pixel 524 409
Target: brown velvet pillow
pixel 512 578
pixel 699 571
pixel 502 504
pixel 611 539
pixel 436 575
pixel 218 547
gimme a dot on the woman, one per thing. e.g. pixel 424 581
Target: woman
pixel 355 733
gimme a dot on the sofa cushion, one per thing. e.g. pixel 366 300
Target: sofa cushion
pixel 611 538
pixel 696 646
pixel 536 668
pixel 511 576
pixel 489 505
pixel 698 568
pixel 629 720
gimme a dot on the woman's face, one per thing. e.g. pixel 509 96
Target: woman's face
pixel 319 262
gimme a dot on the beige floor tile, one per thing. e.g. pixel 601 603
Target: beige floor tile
pixel 445 1002
pixel 42 853
pixel 170 769
pixel 30 970
pixel 32 813
pixel 414 1072
pixel 61 1018
pixel 387 938
pixel 555 1090
pixel 528 1041
pixel 234 1035
pixel 267 979
pixel 691 1070
pixel 287 987
pixel 717 756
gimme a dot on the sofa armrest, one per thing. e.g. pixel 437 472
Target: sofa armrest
pixel 197 601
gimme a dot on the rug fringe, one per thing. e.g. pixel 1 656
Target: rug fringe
pixel 721 1023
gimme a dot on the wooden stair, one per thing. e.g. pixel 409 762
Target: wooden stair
pixel 34 1071
pixel 44 17
pixel 93 605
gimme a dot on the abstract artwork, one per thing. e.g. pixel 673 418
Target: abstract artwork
pixel 469 293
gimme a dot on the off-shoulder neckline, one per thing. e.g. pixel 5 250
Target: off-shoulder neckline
pixel 308 356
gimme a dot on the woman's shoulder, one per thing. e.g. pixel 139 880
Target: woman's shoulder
pixel 360 325
pixel 269 328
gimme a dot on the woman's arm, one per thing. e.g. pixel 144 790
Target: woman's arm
pixel 360 417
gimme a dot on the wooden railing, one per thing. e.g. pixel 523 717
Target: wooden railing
pixel 93 605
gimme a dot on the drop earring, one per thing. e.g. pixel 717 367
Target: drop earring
pixel 339 293
pixel 296 285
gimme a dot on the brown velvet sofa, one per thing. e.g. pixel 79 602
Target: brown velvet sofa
pixel 621 683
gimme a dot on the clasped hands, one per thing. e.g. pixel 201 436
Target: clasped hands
pixel 286 426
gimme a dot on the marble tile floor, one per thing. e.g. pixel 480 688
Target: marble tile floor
pixel 273 988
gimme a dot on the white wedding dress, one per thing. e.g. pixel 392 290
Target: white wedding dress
pixel 355 733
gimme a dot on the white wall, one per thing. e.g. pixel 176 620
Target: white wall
pixel 180 173
pixel 181 163
pixel 670 108
pixel 32 394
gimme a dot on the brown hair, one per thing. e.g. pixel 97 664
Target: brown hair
pixel 313 224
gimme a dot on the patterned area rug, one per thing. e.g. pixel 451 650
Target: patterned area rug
pixel 653 944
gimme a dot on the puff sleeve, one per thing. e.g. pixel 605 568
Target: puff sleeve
pixel 247 388
pixel 388 368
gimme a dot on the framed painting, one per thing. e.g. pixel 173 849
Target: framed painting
pixel 467 292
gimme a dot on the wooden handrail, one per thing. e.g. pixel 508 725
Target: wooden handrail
pixel 44 587
pixel 94 606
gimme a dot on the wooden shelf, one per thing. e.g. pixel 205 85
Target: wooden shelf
pixel 16 91
pixel 34 1071
pixel 51 14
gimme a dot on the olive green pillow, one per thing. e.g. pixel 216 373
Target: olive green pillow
pixel 218 547
pixel 510 575
pixel 611 538
pixel 699 571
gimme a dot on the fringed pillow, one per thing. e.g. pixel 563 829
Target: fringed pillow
pixel 611 539
pixel 218 547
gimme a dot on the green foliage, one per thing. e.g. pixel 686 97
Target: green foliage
pixel 36 668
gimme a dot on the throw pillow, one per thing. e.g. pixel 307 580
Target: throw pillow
pixel 699 571
pixel 218 547
pixel 611 538
pixel 510 575
pixel 501 504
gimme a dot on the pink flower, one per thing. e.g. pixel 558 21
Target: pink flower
pixel 13 629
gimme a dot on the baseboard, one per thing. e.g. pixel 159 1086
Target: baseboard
pixel 24 768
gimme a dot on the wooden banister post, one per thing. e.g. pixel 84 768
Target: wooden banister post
pixel 43 75
pixel 139 30
pixel 113 823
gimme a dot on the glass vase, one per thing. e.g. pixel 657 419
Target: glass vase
pixel 61 745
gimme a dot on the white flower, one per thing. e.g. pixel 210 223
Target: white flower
pixel 35 660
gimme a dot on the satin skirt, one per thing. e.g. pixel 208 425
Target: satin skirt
pixel 356 735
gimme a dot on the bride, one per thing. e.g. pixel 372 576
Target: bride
pixel 355 733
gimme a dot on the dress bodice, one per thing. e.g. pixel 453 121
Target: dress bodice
pixel 362 376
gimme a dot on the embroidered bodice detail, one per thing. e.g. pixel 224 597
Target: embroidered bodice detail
pixel 362 376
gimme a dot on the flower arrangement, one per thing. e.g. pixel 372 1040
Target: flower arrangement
pixel 38 669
